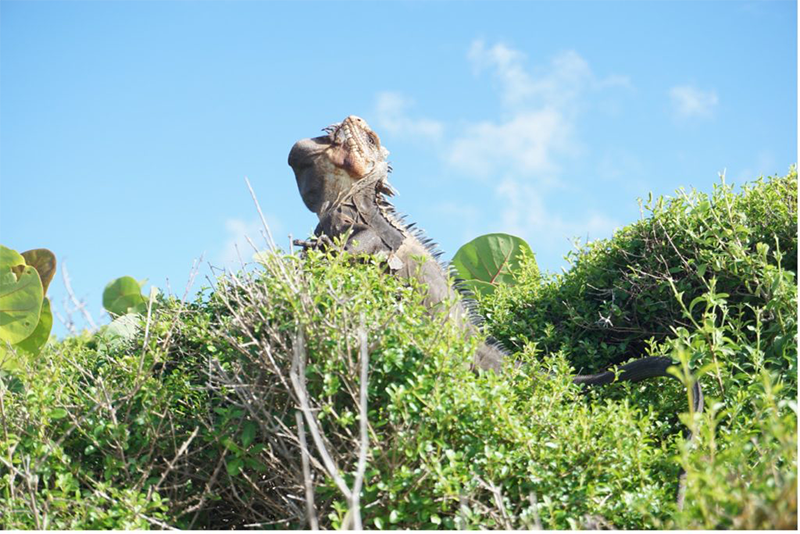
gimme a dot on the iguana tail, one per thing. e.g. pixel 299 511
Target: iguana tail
pixel 643 369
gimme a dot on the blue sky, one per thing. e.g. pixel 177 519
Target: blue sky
pixel 127 128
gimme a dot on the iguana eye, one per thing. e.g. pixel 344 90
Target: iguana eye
pixel 372 140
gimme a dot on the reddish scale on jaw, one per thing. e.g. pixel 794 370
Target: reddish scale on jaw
pixel 356 147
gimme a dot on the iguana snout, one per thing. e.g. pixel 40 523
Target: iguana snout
pixel 329 165
pixel 356 147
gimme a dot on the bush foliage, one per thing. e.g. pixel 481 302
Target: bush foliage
pixel 234 410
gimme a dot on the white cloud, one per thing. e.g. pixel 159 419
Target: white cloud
pixel 557 85
pixel 236 249
pixel 391 112
pixel 525 149
pixel 542 109
pixel 525 145
pixel 538 127
pixel 526 214
pixel 688 101
pixel 516 84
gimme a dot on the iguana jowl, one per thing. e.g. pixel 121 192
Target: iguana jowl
pixel 343 178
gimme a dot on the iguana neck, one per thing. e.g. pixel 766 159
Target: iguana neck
pixel 373 188
pixel 367 202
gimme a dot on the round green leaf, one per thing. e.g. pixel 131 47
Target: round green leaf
pixel 490 258
pixel 123 328
pixel 123 295
pixel 44 262
pixel 34 342
pixel 10 258
pixel 20 302
pixel 58 413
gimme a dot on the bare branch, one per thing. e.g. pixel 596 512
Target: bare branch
pixel 297 376
pixel 311 510
pixel 270 241
pixel 355 501
pixel 537 521
pixel 79 305
pixel 171 465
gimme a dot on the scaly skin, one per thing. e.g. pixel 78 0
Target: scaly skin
pixel 329 165
pixel 343 178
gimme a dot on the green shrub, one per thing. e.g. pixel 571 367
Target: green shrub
pixel 711 278
pixel 195 421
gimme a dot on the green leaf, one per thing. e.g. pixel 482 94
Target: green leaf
pixel 696 301
pixel 20 302
pixel 248 434
pixel 490 258
pixel 58 413
pixel 394 517
pixel 34 342
pixel 124 295
pixel 10 258
pixel 234 466
pixel 44 262
pixel 123 328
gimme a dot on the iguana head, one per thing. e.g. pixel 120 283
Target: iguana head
pixel 327 166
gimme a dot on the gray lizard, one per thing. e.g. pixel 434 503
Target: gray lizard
pixel 343 178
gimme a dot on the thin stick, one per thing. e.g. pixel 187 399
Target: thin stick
pixel 298 371
pixel 171 465
pixel 261 214
pixel 146 332
pixel 535 509
pixel 26 462
pixel 364 430
pixel 68 324
pixel 3 410
pixel 498 500
pixel 80 306
pixel 311 509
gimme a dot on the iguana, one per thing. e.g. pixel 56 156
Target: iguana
pixel 343 178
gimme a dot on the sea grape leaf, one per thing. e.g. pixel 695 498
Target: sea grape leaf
pixel 123 328
pixel 44 261
pixel 491 259
pixel 20 302
pixel 10 258
pixel 124 295
pixel 34 342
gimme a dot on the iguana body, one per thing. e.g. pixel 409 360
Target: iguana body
pixel 343 178
pixel 349 193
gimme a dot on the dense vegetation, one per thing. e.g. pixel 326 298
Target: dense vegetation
pixel 240 408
